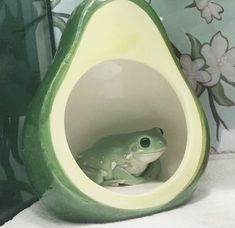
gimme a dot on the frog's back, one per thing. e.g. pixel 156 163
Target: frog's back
pixel 104 152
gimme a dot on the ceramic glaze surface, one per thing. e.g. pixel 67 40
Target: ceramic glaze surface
pixel 64 188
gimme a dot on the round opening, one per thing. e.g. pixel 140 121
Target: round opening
pixel 120 97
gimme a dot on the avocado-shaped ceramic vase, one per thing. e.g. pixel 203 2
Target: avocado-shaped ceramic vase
pixel 114 73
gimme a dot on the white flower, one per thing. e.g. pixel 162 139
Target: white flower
pixel 193 69
pixel 209 10
pixel 220 59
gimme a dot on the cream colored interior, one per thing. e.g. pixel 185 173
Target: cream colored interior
pixel 146 94
pixel 122 96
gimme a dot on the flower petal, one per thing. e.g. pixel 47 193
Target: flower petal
pixel 216 7
pixel 228 71
pixel 203 76
pixel 206 14
pixel 186 62
pixel 219 45
pixel 215 14
pixel 201 4
pixel 231 56
pixel 197 64
pixel 215 76
pixel 208 54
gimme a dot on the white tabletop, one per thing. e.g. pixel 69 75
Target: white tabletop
pixel 212 205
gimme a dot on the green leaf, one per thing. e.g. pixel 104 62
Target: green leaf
pixel 199 90
pixel 17 88
pixel 10 190
pixel 2 4
pixel 54 3
pixel 192 5
pixel 13 139
pixel 226 80
pixel 6 185
pixel 195 46
pixel 34 23
pixel 58 22
pixel 220 97
pixel 176 50
pixel 65 15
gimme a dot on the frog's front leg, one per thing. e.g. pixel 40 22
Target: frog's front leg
pixel 96 175
pixel 122 176
pixel 153 170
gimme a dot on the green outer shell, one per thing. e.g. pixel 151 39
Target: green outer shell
pixel 54 188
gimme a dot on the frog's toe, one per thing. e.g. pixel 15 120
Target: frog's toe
pixel 114 182
pixel 122 181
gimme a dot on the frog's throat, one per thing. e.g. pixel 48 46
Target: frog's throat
pixel 142 152
pixel 148 157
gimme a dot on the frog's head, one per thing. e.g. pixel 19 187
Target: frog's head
pixel 148 145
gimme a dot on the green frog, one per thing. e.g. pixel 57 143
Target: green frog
pixel 124 159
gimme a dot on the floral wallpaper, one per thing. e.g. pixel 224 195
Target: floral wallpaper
pixel 204 50
pixel 210 66
pixel 202 38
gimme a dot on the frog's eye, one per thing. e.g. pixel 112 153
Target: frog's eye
pixel 145 142
pixel 161 131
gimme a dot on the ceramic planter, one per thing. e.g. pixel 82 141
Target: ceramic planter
pixel 104 83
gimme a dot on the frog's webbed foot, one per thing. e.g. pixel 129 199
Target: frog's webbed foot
pixel 151 173
pixel 128 178
pixel 113 183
